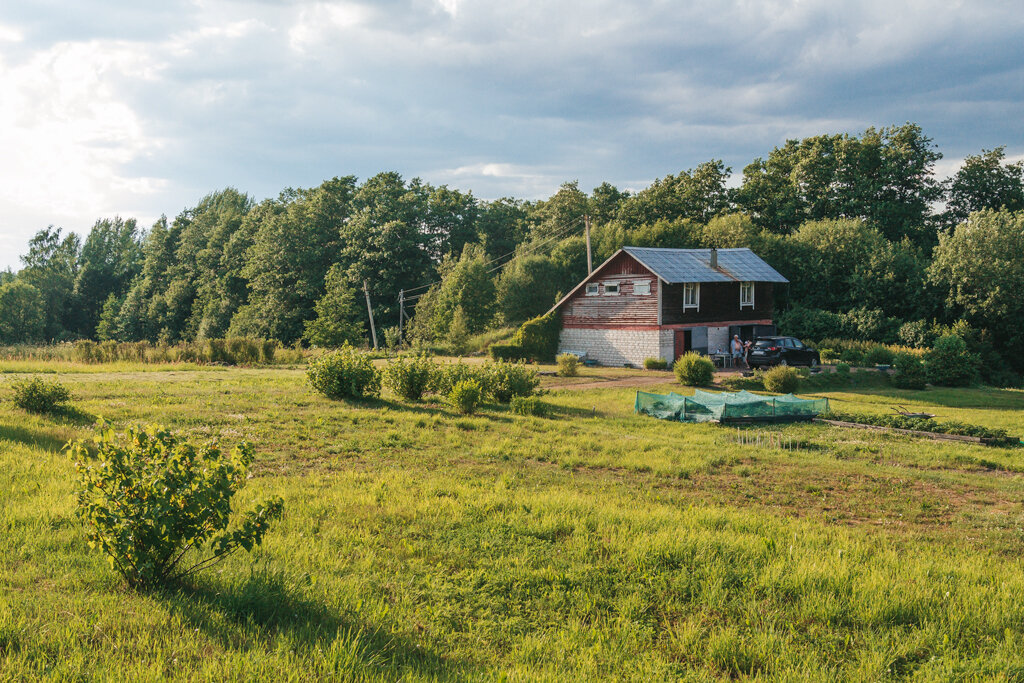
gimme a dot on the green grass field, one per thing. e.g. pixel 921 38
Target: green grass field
pixel 595 544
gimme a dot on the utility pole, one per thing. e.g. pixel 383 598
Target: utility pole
pixel 369 309
pixel 586 228
pixel 401 313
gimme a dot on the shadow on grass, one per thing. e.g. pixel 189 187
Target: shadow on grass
pixel 32 437
pixel 73 416
pixel 264 609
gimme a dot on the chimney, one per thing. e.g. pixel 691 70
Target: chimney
pixel 714 257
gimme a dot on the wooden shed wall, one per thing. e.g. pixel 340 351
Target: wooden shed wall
pixel 718 301
pixel 624 309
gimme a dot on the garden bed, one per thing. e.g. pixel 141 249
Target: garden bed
pixel 923 427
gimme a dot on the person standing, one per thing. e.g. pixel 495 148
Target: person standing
pixel 737 350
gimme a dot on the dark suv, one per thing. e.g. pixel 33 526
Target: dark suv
pixel 782 351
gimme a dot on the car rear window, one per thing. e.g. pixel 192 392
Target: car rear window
pixel 764 343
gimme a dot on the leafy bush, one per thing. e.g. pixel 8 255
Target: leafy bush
pixel 154 503
pixel 538 337
pixel 695 370
pixel 503 380
pixel 345 373
pixel 410 378
pixel 655 363
pixel 843 369
pixel 879 355
pixel 568 364
pixel 447 376
pixel 910 372
pixel 950 364
pixel 809 323
pixel 529 405
pixel 852 356
pixel 465 396
pixel 781 380
pixel 506 352
pixel 917 333
pixel 39 396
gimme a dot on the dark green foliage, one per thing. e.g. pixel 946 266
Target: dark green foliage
pixel 984 181
pixel 950 364
pixel 539 337
pixel 781 380
pixel 528 405
pixel 447 376
pixel 655 364
pixel 910 372
pixel 230 351
pixel 159 507
pixel 843 369
pixel 51 266
pixel 464 396
pixel 879 355
pixel 698 194
pixel 695 370
pixel 410 378
pixel 506 352
pixel 810 323
pixel 345 373
pixel 39 396
pixel 568 365
pixel 503 380
pixel 992 436
pixel 527 287
pixel 111 257
pixel 338 321
pixel 22 313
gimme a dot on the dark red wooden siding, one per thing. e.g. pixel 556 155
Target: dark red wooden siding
pixel 626 308
pixel 718 302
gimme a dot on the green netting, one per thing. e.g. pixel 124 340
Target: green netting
pixel 707 406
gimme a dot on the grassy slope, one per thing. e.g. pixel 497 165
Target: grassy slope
pixel 421 544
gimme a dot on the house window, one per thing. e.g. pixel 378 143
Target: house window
pixel 691 295
pixel 591 289
pixel 641 287
pixel 611 288
pixel 746 295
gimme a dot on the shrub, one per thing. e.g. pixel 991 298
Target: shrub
pixel 409 379
pixel 910 372
pixel 655 363
pixel 154 503
pixel 879 355
pixel 345 373
pixel 268 347
pixel 465 396
pixel 538 337
pixel 447 376
pixel 843 369
pixel 852 356
pixel 695 370
pixel 506 352
pixel 529 405
pixel 950 364
pixel 568 364
pixel 39 396
pixel 503 380
pixel 781 380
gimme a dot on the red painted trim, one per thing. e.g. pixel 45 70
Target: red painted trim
pixel 610 327
pixel 716 323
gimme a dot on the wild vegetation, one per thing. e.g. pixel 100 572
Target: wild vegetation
pixel 421 543
pixel 854 222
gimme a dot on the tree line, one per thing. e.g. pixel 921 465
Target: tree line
pixel 870 238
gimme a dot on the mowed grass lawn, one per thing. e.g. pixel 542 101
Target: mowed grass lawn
pixel 418 544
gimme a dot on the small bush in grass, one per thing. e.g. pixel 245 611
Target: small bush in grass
pixel 852 356
pixel 655 363
pixel 568 364
pixel 843 369
pixel 503 380
pixel 879 355
pixel 447 376
pixel 410 378
pixel 159 507
pixel 506 352
pixel 345 373
pixel 465 396
pixel 781 380
pixel 529 405
pixel 695 370
pixel 39 396
pixel 910 372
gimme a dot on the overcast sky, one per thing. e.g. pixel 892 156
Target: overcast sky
pixel 115 108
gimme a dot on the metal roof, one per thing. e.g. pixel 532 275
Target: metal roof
pixel 694 265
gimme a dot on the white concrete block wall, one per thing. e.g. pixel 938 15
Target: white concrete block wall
pixel 611 346
pixel 668 346
pixel 718 339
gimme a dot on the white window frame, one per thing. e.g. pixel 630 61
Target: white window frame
pixel 695 288
pixel 642 283
pixel 597 289
pixel 746 304
pixel 614 284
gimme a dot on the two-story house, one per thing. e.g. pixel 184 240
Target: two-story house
pixel 660 303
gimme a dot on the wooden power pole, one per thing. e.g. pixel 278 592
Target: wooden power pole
pixel 369 309
pixel 401 313
pixel 586 229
